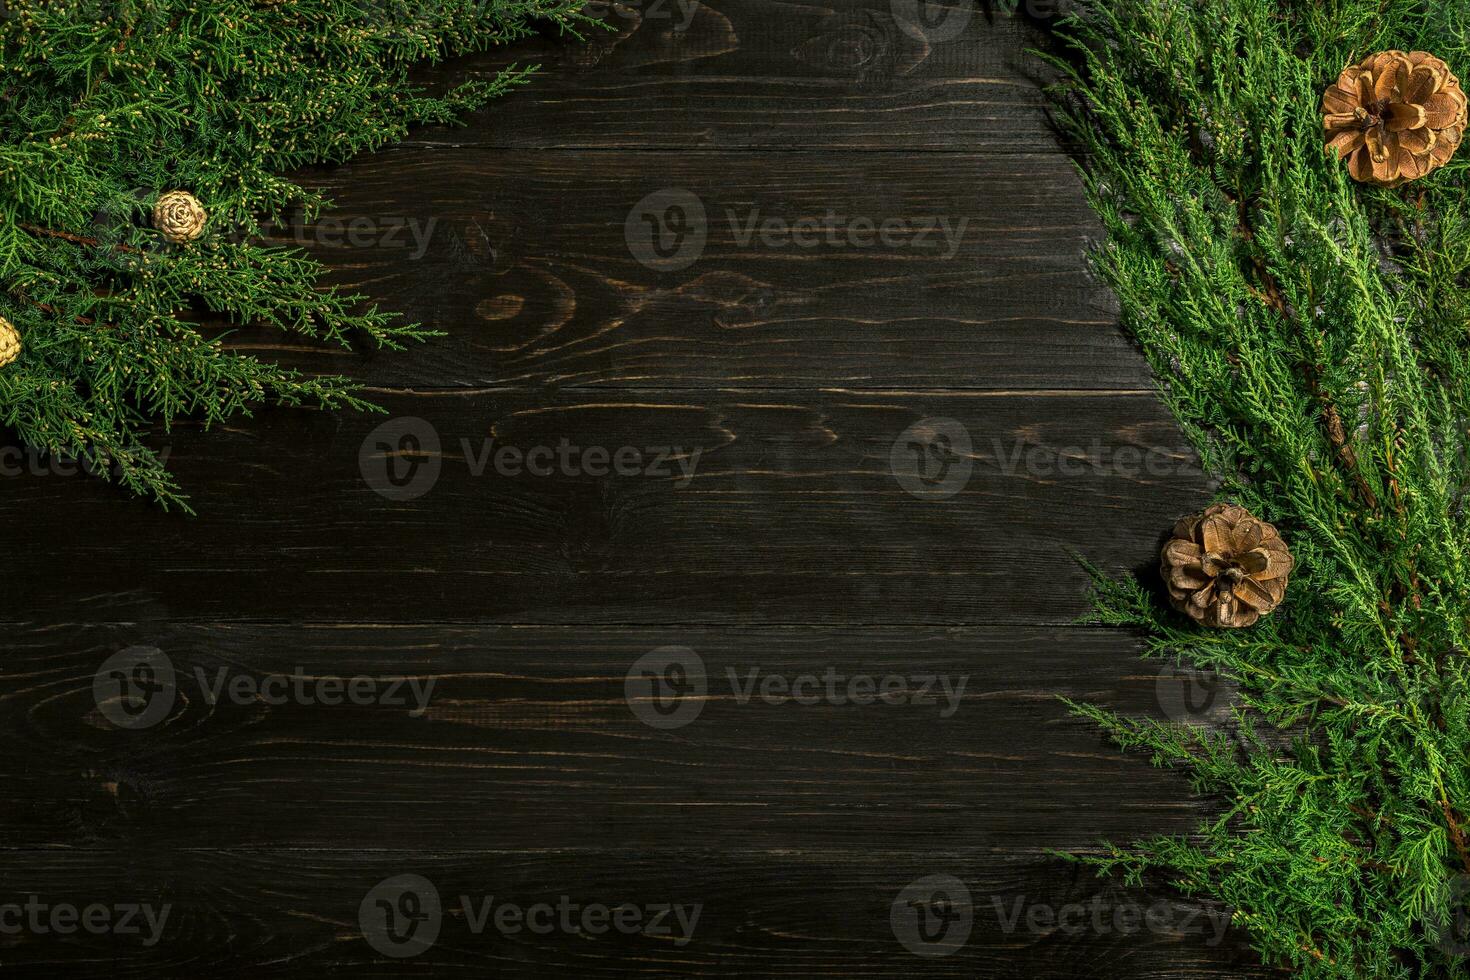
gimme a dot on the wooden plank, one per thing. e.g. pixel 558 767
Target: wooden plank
pixel 864 270
pixel 848 74
pixel 766 914
pixel 522 738
pixel 734 508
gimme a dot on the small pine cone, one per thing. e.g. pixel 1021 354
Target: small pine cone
pixel 9 342
pixel 1225 567
pixel 1395 118
pixel 180 216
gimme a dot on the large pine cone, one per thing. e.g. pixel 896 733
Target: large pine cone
pixel 180 216
pixel 1396 117
pixel 1225 567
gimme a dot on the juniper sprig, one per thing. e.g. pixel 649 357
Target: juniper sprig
pixel 108 104
pixel 1312 337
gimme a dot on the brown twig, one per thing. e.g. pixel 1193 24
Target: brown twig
pixel 77 239
pixel 85 321
pixel 1270 293
pixel 1457 833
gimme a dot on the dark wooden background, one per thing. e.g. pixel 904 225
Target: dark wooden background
pixel 526 599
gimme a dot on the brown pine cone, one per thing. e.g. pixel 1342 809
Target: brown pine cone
pixel 9 342
pixel 180 216
pixel 1225 567
pixel 1396 117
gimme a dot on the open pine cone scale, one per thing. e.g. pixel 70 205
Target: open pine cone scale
pixel 1395 117
pixel 1225 567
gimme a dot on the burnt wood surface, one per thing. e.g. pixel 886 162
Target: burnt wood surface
pixel 782 392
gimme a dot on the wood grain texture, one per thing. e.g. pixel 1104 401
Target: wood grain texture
pixel 258 742
pixel 280 913
pixel 861 270
pixel 771 74
pixel 792 514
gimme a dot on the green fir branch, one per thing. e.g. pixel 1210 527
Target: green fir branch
pixel 1312 337
pixel 107 104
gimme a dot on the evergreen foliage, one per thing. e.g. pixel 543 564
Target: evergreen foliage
pixel 108 104
pixel 1312 336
